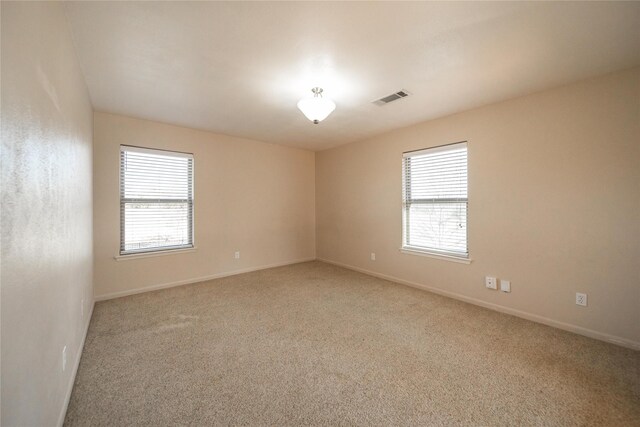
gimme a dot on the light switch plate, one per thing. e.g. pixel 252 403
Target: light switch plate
pixel 505 286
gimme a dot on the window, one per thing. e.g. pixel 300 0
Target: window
pixel 434 200
pixel 156 200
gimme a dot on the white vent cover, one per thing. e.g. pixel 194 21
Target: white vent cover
pixel 393 97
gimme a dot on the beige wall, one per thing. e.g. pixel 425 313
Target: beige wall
pixel 46 209
pixel 554 197
pixel 250 196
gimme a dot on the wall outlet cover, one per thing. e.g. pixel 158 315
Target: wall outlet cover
pixel 491 282
pixel 581 299
pixel 505 286
pixel 373 256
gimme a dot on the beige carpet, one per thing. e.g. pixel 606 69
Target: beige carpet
pixel 315 344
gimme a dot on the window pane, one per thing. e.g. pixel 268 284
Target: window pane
pixel 440 175
pixel 154 225
pixel 438 226
pixel 156 200
pixel 148 176
pixel 435 200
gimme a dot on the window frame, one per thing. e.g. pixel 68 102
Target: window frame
pixel 159 250
pixel 464 258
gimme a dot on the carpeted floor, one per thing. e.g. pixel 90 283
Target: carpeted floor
pixel 315 344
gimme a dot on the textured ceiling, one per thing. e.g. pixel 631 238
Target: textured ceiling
pixel 239 68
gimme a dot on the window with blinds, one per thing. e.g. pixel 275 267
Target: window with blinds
pixel 156 200
pixel 435 200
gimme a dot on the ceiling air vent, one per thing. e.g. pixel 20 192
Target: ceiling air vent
pixel 390 98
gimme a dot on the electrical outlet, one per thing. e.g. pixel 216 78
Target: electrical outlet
pixel 491 282
pixel 373 256
pixel 64 358
pixel 237 255
pixel 505 285
pixel 581 299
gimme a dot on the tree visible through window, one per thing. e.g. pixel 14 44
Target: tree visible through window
pixel 435 200
pixel 156 200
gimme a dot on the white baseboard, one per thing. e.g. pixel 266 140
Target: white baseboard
pixel 119 294
pixel 76 364
pixel 496 307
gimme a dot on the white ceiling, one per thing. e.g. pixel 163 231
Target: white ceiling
pixel 239 68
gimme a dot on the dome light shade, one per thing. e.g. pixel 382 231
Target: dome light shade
pixel 317 108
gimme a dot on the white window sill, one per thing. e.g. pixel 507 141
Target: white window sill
pixel 436 256
pixel 153 254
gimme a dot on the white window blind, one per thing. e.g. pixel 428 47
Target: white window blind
pixel 156 200
pixel 435 200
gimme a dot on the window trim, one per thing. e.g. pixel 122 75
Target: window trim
pixel 151 254
pixel 428 252
pixel 164 250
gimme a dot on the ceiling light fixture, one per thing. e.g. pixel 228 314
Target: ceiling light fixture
pixel 317 108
